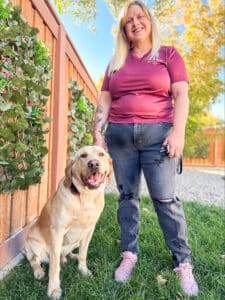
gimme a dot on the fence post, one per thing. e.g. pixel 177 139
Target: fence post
pixel 59 112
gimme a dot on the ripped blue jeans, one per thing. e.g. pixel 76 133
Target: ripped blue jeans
pixel 135 148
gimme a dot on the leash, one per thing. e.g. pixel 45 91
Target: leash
pixel 179 165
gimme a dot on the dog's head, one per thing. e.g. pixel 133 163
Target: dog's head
pixel 90 168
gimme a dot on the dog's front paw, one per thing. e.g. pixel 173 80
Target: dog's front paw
pixel 85 271
pixel 39 273
pixel 55 293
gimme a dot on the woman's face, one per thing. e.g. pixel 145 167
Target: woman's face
pixel 137 25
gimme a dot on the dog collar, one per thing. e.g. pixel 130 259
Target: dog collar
pixel 74 190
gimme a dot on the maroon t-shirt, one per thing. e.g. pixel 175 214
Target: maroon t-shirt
pixel 141 89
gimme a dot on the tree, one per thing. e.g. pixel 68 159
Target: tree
pixel 196 29
pixel 81 10
pixel 99 82
pixel 85 10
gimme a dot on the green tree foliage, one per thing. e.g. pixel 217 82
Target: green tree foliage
pixel 196 29
pixel 81 10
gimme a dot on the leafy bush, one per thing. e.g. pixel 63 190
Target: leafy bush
pixel 24 74
pixel 81 116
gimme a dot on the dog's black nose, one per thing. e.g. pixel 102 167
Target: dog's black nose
pixel 93 164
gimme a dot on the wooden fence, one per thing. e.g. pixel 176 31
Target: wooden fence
pixel 216 151
pixel 19 209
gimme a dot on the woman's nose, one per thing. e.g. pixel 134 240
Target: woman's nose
pixel 135 21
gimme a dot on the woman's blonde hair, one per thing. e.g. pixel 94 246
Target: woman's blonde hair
pixel 123 44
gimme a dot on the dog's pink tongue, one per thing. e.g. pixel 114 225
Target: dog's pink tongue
pixel 96 179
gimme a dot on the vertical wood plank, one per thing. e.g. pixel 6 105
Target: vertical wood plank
pixel 211 150
pixel 32 202
pixel 60 109
pixel 43 191
pixel 27 11
pixel 18 210
pixel 52 109
pixel 68 76
pixel 38 22
pixel 16 2
pixel 5 206
pixel 222 150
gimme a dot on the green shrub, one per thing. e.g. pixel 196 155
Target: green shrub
pixel 81 116
pixel 25 70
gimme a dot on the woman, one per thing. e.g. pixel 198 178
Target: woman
pixel 140 82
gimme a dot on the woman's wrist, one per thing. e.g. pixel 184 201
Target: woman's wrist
pixel 179 130
pixel 97 134
pixel 99 141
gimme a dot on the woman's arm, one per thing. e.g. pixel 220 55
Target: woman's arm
pixel 176 137
pixel 101 118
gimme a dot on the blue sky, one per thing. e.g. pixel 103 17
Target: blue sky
pixel 96 48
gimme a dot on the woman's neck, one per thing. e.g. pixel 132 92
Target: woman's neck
pixel 141 49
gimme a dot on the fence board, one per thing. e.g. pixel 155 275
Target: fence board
pixel 43 191
pixel 60 108
pixel 27 11
pixel 52 109
pixel 16 2
pixel 38 22
pixel 5 207
pixel 32 203
pixel 18 210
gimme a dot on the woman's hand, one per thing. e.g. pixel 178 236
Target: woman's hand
pixel 175 142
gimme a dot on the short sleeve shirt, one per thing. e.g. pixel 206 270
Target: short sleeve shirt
pixel 141 89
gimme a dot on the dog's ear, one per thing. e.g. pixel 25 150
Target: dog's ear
pixel 109 175
pixel 68 175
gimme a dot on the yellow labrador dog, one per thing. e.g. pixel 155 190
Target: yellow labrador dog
pixel 68 219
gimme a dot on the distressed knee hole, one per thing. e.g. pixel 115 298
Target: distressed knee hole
pixel 166 200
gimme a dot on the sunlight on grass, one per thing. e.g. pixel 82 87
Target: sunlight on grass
pixel 152 277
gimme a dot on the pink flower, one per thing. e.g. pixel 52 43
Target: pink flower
pixel 8 75
pixel 7 59
pixel 3 58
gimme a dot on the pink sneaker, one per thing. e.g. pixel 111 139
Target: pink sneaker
pixel 123 272
pixel 187 281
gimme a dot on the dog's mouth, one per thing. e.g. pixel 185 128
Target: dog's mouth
pixel 94 180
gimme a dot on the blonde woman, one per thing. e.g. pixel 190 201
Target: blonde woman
pixel 140 83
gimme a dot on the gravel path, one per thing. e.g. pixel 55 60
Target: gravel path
pixel 206 185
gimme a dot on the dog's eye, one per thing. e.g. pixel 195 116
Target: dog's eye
pixel 84 155
pixel 101 154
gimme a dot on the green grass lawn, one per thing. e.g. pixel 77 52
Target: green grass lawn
pixel 206 226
